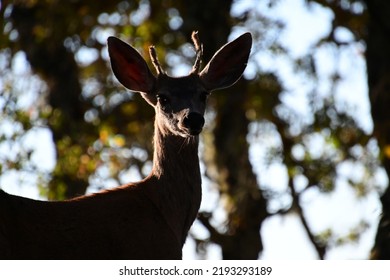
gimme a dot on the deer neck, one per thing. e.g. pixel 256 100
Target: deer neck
pixel 175 157
pixel 176 168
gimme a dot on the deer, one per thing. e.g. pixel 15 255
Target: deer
pixel 149 219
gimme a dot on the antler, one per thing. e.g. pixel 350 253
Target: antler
pixel 156 63
pixel 198 60
pixel 199 52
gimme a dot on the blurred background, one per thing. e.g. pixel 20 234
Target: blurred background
pixel 294 157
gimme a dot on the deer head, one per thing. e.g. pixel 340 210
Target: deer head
pixel 179 102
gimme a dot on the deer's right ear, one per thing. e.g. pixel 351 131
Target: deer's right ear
pixel 129 67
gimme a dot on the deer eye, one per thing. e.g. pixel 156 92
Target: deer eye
pixel 203 96
pixel 163 99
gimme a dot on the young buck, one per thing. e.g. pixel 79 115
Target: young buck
pixel 149 219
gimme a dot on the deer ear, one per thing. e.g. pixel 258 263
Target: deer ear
pixel 129 67
pixel 227 64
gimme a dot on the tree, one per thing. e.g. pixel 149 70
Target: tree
pixel 378 71
pixel 99 130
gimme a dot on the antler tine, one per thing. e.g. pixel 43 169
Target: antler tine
pixel 199 52
pixel 156 63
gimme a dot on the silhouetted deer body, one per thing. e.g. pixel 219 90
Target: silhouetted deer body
pixel 149 219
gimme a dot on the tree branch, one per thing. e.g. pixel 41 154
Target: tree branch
pixel 320 248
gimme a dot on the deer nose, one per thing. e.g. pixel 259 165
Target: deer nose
pixel 194 123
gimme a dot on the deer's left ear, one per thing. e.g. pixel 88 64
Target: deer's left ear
pixel 227 64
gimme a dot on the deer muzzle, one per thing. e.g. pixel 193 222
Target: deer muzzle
pixel 193 122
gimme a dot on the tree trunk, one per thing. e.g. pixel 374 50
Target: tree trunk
pixel 378 69
pixel 247 206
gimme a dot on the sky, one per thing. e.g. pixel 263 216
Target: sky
pixel 283 236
